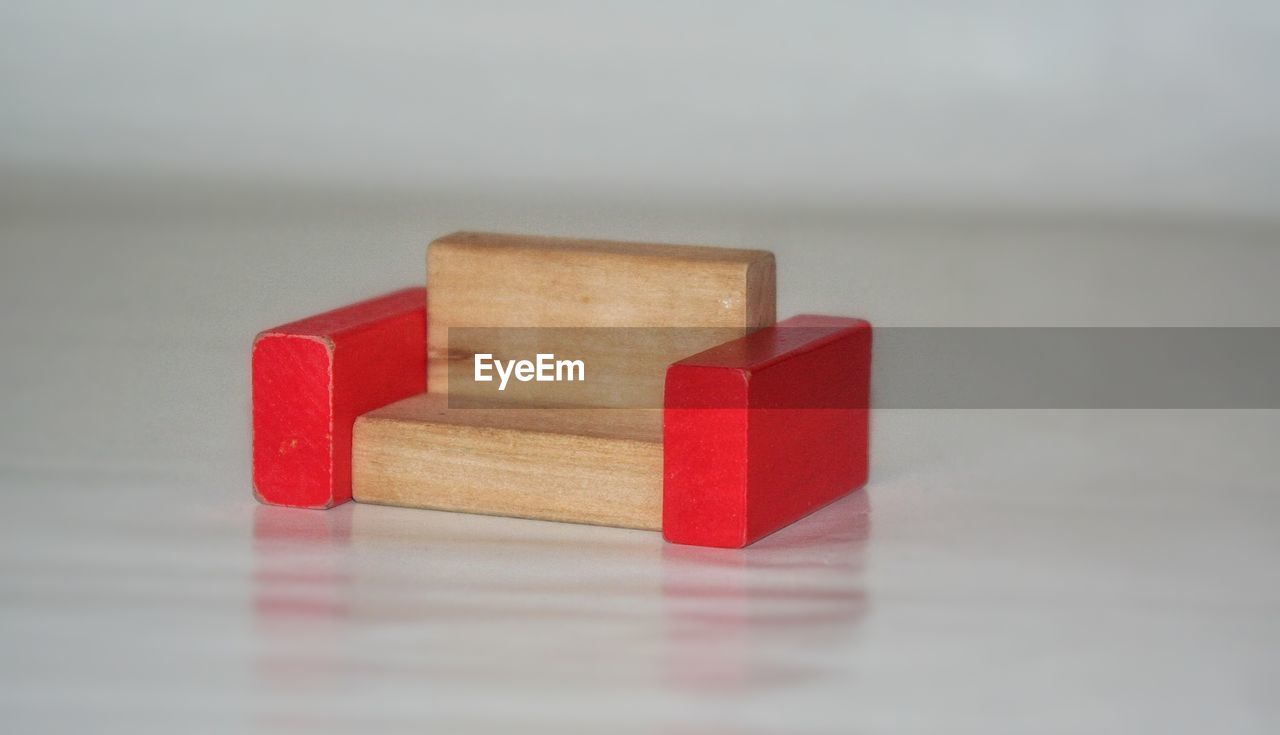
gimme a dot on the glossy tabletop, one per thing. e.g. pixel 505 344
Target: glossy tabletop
pixel 1004 571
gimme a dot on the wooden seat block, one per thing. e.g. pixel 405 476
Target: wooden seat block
pixel 765 429
pixel 581 465
pixel 311 378
pixel 626 310
pixel 677 300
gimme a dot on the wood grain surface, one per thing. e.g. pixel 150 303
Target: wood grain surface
pixel 600 466
pixel 626 309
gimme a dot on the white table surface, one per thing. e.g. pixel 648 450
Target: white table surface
pixel 1004 571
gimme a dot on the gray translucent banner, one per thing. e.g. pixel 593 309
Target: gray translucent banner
pixel 913 367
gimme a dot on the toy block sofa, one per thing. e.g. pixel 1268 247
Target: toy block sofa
pixel 623 384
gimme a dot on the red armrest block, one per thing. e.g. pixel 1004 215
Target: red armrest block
pixel 763 430
pixel 312 378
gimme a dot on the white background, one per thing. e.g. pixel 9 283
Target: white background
pixel 1087 104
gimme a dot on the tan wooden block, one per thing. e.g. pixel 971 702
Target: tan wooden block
pixel 587 465
pixel 689 299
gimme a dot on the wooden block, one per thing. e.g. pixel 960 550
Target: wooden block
pixel 580 465
pixel 311 378
pixel 579 294
pixel 764 430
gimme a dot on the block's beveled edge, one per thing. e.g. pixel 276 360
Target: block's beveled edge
pixel 784 340
pixel 740 257
pixel 353 316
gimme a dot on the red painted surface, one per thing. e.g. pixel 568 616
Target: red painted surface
pixel 312 378
pixel 764 430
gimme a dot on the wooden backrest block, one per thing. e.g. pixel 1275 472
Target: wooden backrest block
pixel 627 310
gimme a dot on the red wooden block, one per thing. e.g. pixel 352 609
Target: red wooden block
pixel 763 430
pixel 312 378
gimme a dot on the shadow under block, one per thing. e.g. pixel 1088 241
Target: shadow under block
pixel 627 310
pixel 764 430
pixel 598 466
pixel 311 378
